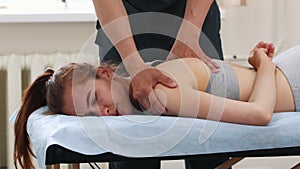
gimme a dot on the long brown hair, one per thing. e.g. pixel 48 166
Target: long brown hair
pixel 33 98
pixel 47 89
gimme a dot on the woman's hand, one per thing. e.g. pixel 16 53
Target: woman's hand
pixel 258 57
pixel 269 48
pixel 142 85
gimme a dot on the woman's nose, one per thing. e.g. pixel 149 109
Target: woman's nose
pixel 105 111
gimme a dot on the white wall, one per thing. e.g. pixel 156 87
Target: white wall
pixel 260 20
pixel 44 37
pixel 292 24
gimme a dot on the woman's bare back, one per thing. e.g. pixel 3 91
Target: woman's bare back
pixel 194 72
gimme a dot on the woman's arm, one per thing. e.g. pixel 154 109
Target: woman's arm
pixel 188 102
pixel 260 106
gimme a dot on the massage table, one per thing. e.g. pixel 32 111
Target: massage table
pixel 58 139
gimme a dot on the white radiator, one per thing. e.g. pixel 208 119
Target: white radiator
pixel 13 65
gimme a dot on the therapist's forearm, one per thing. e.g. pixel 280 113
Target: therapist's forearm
pixel 196 11
pixel 195 14
pixel 115 23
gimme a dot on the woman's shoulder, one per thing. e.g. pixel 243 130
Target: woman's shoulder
pixel 188 70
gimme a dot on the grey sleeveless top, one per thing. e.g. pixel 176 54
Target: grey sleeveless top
pixel 225 83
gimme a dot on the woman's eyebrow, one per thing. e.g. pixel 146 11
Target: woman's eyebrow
pixel 88 98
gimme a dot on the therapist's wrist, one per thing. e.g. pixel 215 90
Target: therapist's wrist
pixel 126 47
pixel 188 32
pixel 134 64
pixel 131 58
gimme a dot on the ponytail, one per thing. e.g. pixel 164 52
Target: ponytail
pixel 33 98
pixel 48 89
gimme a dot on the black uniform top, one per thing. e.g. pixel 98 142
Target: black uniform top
pixel 154 34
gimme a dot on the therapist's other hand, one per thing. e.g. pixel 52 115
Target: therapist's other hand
pixel 187 46
pixel 142 85
pixel 182 50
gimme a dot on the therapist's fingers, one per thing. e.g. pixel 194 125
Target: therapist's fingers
pixel 157 107
pixel 165 80
pixel 152 104
pixel 211 64
pixel 140 91
pixel 171 56
pixel 191 49
pixel 142 86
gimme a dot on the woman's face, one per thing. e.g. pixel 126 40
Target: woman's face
pixel 102 96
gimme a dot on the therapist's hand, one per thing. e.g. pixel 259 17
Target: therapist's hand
pixel 142 85
pixel 188 47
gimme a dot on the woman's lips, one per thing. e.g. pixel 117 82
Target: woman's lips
pixel 118 113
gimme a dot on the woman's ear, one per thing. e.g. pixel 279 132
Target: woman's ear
pixel 103 72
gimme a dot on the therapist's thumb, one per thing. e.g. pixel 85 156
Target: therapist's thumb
pixel 167 81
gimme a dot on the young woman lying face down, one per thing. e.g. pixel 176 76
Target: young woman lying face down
pixel 257 93
pixel 237 94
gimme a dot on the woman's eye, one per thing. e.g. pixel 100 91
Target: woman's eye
pixel 91 114
pixel 95 99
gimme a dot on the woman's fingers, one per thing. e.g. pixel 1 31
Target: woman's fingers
pixel 260 44
pixel 271 50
